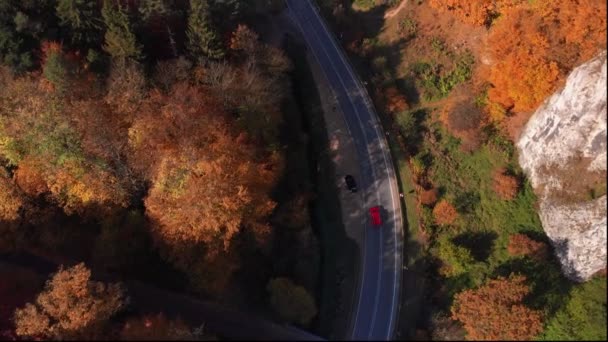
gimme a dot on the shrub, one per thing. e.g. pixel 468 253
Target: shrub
pixel 395 101
pixel 455 259
pixel 521 244
pixel 292 302
pixel 428 197
pixel 444 213
pixel 408 28
pixel 505 185
pixel 438 45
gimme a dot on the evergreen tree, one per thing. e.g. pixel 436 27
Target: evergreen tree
pixel 55 70
pixel 82 19
pixel 14 51
pixel 120 41
pixel 202 37
pixel 151 8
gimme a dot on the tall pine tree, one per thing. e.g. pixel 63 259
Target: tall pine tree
pixel 202 38
pixel 120 41
pixel 82 19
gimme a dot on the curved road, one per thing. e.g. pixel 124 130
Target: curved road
pixel 378 292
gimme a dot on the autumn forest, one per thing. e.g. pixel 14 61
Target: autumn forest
pixel 141 139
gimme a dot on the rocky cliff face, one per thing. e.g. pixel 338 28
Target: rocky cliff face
pixel 563 151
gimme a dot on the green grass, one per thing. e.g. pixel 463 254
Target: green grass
pixel 474 248
pixel 364 4
pixel 437 80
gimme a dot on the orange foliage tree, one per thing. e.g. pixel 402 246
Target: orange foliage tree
pixel 476 12
pixel 505 185
pixel 70 303
pixel 495 311
pixel 11 200
pixel 444 213
pixel 208 182
pixel 183 143
pixel 521 244
pixel 535 44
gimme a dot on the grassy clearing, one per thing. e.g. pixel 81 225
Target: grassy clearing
pixel 437 80
pixel 474 248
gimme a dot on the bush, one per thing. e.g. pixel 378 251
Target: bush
pixel 292 302
pixel 408 28
pixel 438 45
pixel 521 244
pixel 444 213
pixel 505 185
pixel 456 260
pixel 437 83
pixel 428 197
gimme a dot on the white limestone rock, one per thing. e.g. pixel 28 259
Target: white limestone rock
pixel 562 149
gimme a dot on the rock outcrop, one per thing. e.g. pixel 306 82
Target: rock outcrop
pixel 563 151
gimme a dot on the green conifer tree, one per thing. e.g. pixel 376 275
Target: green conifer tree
pixel 83 20
pixel 120 41
pixel 202 37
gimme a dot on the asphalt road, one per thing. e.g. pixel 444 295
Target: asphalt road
pixel 378 292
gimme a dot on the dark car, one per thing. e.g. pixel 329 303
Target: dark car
pixel 350 183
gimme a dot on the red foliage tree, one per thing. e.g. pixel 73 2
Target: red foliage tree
pixel 505 185
pixel 521 244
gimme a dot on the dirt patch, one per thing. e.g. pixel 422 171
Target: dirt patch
pixel 394 11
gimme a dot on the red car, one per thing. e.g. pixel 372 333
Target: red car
pixel 375 214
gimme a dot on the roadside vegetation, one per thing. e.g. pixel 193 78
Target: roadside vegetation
pixel 452 116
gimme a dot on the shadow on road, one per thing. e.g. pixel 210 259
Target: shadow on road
pixel 340 254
